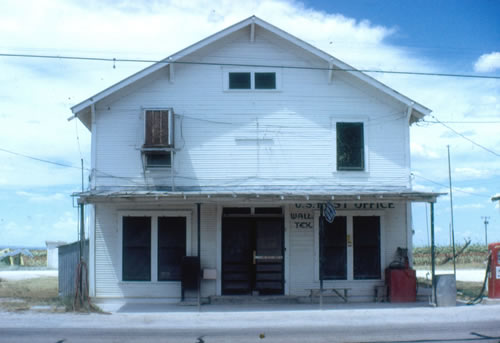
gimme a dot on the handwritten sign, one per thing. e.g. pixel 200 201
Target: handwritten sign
pixel 302 214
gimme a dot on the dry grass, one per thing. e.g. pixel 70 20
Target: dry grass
pixel 21 295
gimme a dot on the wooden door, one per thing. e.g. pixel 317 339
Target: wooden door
pixel 269 251
pixel 237 249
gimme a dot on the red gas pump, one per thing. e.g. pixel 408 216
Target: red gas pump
pixel 494 272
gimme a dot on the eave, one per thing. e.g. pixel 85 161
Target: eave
pixel 239 196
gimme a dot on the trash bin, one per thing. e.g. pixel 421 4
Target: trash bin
pixel 401 285
pixel 446 290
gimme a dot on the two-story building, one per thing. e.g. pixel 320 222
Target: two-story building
pixel 229 149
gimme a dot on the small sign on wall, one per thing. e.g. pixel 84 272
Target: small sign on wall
pixel 329 212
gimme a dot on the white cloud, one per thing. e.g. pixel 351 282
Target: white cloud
pixel 38 197
pixel 468 206
pixel 488 62
pixel 423 150
pixel 66 223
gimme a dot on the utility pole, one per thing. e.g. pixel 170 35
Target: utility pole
pixel 486 222
pixel 451 209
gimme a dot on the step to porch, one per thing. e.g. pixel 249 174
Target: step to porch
pixel 253 299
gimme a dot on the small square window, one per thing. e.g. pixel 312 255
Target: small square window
pixel 158 159
pixel 350 146
pixel 239 81
pixel 265 80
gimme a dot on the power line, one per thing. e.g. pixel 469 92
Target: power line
pixel 39 159
pixel 454 188
pixel 115 60
pixel 66 165
pixel 461 122
pixel 467 138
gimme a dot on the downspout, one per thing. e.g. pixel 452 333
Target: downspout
pixel 93 147
pixel 407 142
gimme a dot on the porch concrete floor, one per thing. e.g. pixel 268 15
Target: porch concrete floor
pixel 136 306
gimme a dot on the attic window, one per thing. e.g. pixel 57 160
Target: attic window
pixel 239 81
pixel 255 80
pixel 265 80
pixel 158 138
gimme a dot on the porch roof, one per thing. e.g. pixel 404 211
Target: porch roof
pixel 256 196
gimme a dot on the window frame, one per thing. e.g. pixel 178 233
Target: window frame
pixel 252 71
pixel 166 149
pixel 154 214
pixel 366 151
pixel 350 214
pixel 360 144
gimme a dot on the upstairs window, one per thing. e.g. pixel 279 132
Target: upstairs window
pixel 350 146
pixel 251 81
pixel 159 138
pixel 158 128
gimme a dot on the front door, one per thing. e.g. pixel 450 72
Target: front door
pixel 252 255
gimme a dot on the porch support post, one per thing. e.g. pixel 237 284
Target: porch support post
pixel 321 236
pixel 198 214
pixel 433 257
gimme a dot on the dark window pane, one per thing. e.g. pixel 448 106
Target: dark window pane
pixel 334 249
pixel 171 247
pixel 350 146
pixel 158 159
pixel 366 232
pixel 239 80
pixel 236 210
pixel 268 210
pixel 136 249
pixel 265 80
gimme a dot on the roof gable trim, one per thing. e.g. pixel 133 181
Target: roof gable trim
pixel 419 111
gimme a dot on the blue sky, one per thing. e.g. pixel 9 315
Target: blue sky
pixel 423 36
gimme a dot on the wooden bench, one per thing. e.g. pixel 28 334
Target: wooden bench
pixel 342 293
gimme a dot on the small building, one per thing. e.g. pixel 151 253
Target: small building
pixel 230 150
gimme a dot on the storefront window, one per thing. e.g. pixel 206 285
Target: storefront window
pixel 366 232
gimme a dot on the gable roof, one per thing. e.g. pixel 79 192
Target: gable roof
pixel 82 110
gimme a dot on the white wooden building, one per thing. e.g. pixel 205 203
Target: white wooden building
pixel 240 138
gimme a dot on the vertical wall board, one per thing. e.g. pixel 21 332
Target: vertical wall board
pixel 69 257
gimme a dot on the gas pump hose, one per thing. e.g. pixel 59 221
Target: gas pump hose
pixel 479 298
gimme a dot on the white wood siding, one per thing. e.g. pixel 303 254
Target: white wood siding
pixel 256 139
pixel 108 251
pixel 301 259
pixel 304 251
